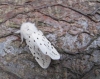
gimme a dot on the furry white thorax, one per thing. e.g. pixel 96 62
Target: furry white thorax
pixel 27 29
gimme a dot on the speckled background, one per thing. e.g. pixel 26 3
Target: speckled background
pixel 72 26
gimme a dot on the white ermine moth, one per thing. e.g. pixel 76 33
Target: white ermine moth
pixel 38 44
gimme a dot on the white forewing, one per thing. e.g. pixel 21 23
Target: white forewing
pixel 45 46
pixel 43 60
pixel 38 44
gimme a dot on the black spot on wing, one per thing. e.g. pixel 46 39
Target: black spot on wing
pixel 44 44
pixel 38 53
pixel 30 47
pixel 38 49
pixel 52 47
pixel 34 47
pixel 37 57
pixel 43 61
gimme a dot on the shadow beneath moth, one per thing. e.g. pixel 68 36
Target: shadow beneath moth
pixel 38 44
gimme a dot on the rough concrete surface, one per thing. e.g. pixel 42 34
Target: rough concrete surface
pixel 72 26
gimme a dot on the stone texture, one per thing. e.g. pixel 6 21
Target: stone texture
pixel 72 27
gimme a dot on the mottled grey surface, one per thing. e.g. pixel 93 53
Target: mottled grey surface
pixel 72 27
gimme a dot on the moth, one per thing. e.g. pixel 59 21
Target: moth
pixel 38 44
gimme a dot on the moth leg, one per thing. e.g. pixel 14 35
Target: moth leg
pixel 17 31
pixel 21 39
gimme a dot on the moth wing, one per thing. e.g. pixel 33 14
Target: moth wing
pixel 42 59
pixel 40 32
pixel 22 38
pixel 45 46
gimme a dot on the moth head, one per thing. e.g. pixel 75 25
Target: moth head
pixel 27 29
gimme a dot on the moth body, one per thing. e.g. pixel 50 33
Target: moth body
pixel 38 44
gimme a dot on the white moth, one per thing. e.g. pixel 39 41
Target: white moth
pixel 38 44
